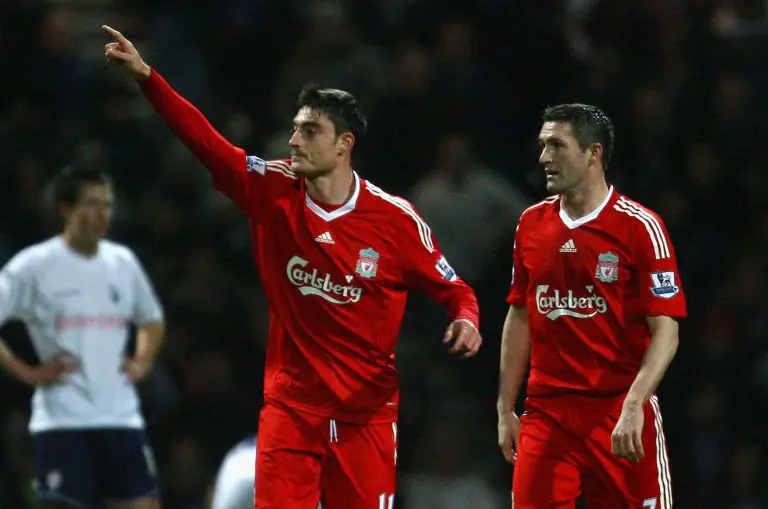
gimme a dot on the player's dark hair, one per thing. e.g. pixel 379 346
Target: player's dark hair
pixel 589 125
pixel 68 184
pixel 341 108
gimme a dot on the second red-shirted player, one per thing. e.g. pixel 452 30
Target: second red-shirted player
pixel 594 304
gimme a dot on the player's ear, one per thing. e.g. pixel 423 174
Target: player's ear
pixel 346 142
pixel 595 153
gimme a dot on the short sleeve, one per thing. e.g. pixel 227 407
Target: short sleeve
pixel 16 289
pixel 147 307
pixel 661 290
pixel 518 287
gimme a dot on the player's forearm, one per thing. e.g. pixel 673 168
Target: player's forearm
pixel 460 302
pixel 15 366
pixel 515 353
pixel 658 356
pixel 149 338
pixel 191 126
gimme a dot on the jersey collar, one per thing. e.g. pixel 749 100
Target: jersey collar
pixel 334 214
pixel 575 223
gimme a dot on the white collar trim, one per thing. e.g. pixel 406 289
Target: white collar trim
pixel 575 223
pixel 344 209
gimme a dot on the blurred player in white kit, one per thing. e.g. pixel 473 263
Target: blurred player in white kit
pixel 78 295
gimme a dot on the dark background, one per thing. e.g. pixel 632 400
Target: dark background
pixel 453 95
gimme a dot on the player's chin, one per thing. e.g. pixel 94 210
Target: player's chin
pixel 554 187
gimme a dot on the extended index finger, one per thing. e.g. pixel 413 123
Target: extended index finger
pixel 114 33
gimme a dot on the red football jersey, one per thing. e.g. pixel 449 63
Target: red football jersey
pixel 589 285
pixel 336 281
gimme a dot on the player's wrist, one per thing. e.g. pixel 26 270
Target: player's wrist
pixel 505 405
pixel 144 72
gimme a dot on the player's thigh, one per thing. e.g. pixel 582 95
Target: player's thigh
pixel 127 475
pixel 64 475
pixel 610 482
pixel 546 473
pixel 359 471
pixel 288 460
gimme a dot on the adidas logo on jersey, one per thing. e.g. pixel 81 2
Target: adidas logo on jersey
pixel 568 247
pixel 325 238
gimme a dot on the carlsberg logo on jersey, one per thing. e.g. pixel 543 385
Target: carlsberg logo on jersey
pixel 311 282
pixel 558 304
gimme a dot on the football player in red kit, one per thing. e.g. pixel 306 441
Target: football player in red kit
pixel 337 256
pixel 594 303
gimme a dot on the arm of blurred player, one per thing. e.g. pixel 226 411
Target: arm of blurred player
pixel 16 298
pixel 46 374
pixel 515 353
pixel 226 162
pixel 427 270
pixel 148 316
pixel 664 303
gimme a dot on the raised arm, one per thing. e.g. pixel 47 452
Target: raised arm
pixel 232 175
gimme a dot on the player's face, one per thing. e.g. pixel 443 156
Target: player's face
pixel 90 217
pixel 565 163
pixel 315 145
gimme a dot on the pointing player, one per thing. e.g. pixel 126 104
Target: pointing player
pixel 78 295
pixel 594 304
pixel 337 256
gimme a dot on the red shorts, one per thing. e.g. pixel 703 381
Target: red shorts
pixel 303 459
pixel 564 451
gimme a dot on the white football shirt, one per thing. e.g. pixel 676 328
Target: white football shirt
pixel 83 308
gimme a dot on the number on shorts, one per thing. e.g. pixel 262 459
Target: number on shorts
pixel 386 501
pixel 650 502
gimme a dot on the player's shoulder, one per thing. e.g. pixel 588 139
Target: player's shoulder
pixel 399 211
pixel 383 200
pixel 36 256
pixel 270 167
pixel 540 209
pixel 634 215
pixel 112 250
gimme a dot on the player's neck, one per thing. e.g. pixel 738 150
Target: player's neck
pixel 335 188
pixel 84 249
pixel 584 199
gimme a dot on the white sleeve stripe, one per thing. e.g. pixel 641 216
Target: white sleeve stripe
pixel 654 223
pixel 425 233
pixel 651 234
pixel 281 167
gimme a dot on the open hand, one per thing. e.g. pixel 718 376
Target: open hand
pixel 465 337
pixel 123 54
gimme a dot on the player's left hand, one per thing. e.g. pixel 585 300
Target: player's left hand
pixel 465 337
pixel 136 369
pixel 626 439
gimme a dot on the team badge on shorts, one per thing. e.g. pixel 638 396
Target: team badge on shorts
pixel 368 263
pixel 607 269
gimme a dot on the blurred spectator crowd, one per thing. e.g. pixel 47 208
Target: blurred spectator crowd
pixel 453 92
